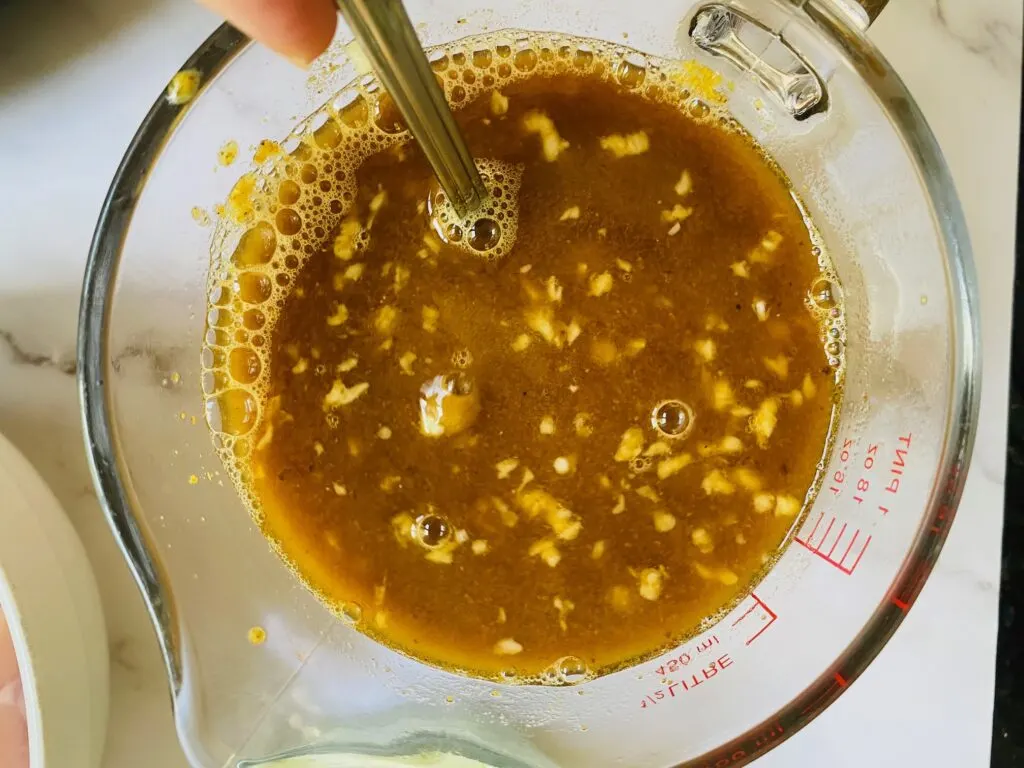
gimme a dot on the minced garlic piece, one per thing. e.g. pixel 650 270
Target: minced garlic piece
pixel 546 550
pixel 722 396
pixel 385 319
pixel 507 647
pixel 625 146
pixel 619 598
pixel 508 516
pixel 600 284
pixel 646 492
pixel 536 501
pixel 624 265
pixel 740 269
pixel 764 502
pixel 763 422
pixel 520 343
pixel 547 426
pixel 564 606
pixel 506 468
pixel 677 214
pixel 668 467
pixel 706 349
pixel 658 448
pixel 405 362
pixel 479 547
pixel 651 583
pixel 684 186
pixel 552 145
pixel 772 240
pixel 663 521
pixel 570 214
pixel 433 244
pixel 631 444
pixel 384 433
pixel 748 479
pixel 779 365
pixel 554 289
pixel 264 441
pixel 583 424
pixel 564 465
pixel 502 616
pixel 573 331
pixel 702 540
pixel 730 444
pixel 620 505
pixel 342 395
pixel 301 366
pixel 786 505
pixel 402 526
pixel 541 320
pixel 388 483
pixel 635 346
pixel 716 482
pixel 347 365
pixel 603 351
pixel 499 103
pixel 430 316
pixel 401 277
pixel 715 323
pixel 721 575
pixel 183 87
pixel 353 272
pixel 760 308
pixel 228 153
pixel 808 387
pixel 597 551
pixel 347 238
pixel 340 316
pixel 769 244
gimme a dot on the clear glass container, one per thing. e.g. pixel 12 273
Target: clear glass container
pixel 866 165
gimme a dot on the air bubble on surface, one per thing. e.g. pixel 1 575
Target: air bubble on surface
pixel 672 418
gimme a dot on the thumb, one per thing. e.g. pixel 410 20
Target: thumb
pixel 297 29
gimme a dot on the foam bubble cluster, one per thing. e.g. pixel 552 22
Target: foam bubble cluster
pixel 490 231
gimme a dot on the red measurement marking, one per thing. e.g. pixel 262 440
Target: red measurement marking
pixel 767 615
pixel 899 464
pixel 900 604
pixel 847 541
pixel 675 689
pixel 841 680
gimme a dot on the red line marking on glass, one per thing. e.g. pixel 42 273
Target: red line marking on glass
pixel 745 614
pixel 828 530
pixel 836 542
pixel 815 528
pixel 840 564
pixel 900 604
pixel 758 603
pixel 850 545
pixel 840 679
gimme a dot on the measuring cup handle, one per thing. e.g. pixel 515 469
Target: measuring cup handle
pixel 861 12
pixel 872 8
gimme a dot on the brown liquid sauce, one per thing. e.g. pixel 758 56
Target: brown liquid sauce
pixel 550 459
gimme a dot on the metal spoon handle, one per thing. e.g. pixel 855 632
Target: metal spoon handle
pixel 386 34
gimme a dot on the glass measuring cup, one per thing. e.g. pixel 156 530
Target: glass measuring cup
pixel 840 124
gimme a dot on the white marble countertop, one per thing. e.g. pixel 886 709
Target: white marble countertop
pixel 76 77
